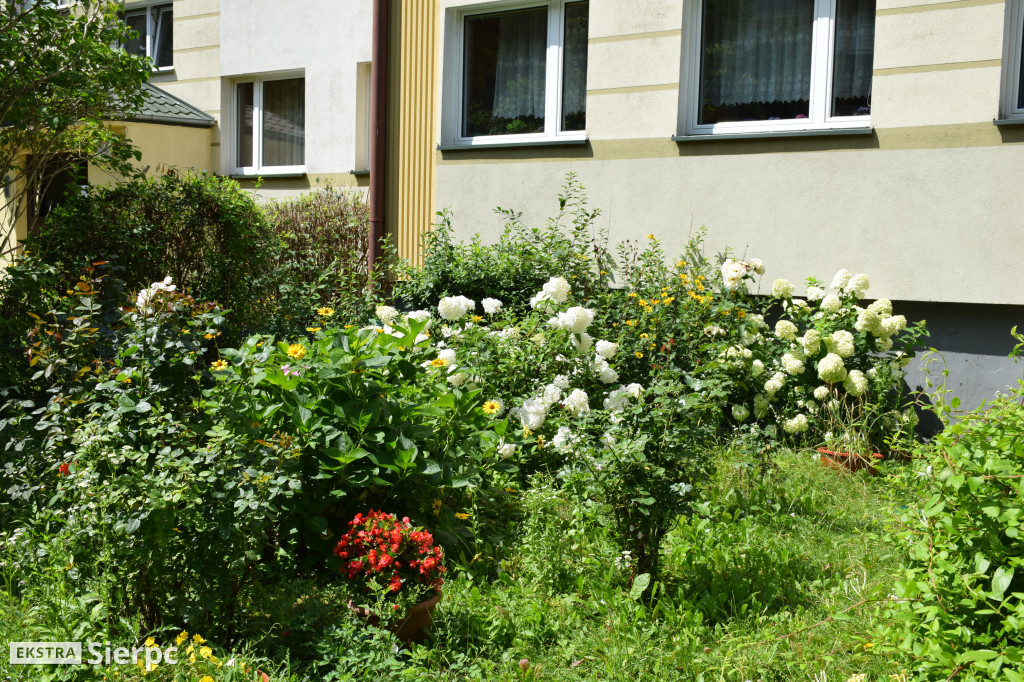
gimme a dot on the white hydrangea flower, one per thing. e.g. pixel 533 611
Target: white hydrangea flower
pixel 418 315
pixel 882 307
pixel 575 319
pixel 858 285
pixel 552 394
pixel 760 406
pixel 841 279
pixel 740 412
pixel 748 338
pixel 815 293
pixel 782 288
pixel 492 306
pixel 608 440
pixel 831 369
pixel 841 343
pixel 557 289
pixel 757 265
pixel 798 303
pixel 810 342
pixel 457 379
pixel 757 321
pixel 891 326
pixel 583 343
pixel 533 413
pixel 868 320
pixel 757 368
pixel 792 364
pixel 821 392
pixel 634 390
pixel 386 314
pixel 506 450
pixel 856 383
pixel 561 381
pixel 607 349
pixel 785 330
pixel 775 384
pixel 420 338
pixel 872 373
pixel 797 424
pixel 884 343
pixel 576 403
pixel 607 375
pixel 447 355
pixel 454 307
pixel 831 303
pixel 714 330
pixel 145 297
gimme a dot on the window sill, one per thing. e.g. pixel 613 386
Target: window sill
pixel 553 142
pixel 161 70
pixel 1008 121
pixel 359 172
pixel 811 132
pixel 267 174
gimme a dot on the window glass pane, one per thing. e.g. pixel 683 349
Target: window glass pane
pixel 164 47
pixel 244 124
pixel 136 21
pixel 574 67
pixel 284 116
pixel 855 50
pixel 506 62
pixel 1020 87
pixel 755 60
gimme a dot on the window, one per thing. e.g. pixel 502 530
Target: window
pixel 270 125
pixel 764 65
pixel 1013 60
pixel 519 75
pixel 154 27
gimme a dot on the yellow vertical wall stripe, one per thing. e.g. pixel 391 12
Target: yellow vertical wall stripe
pixel 412 122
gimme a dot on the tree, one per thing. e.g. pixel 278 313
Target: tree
pixel 62 73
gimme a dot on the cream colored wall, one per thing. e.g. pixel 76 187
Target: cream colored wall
pixel 164 148
pixel 928 205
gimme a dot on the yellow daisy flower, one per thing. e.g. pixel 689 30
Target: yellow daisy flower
pixel 491 407
pixel 216 365
pixel 325 311
pixel 461 516
pixel 296 351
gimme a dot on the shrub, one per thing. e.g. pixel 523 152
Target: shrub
pixel 960 605
pixel 322 257
pixel 202 230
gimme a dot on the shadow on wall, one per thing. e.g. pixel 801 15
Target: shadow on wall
pixel 973 343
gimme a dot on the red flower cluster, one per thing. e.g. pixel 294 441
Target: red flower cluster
pixel 381 548
pixel 65 469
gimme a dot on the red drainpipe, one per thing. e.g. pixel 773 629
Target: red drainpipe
pixel 378 132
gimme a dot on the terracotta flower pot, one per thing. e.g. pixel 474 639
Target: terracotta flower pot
pixel 849 461
pixel 412 626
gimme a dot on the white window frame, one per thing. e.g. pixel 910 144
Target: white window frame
pixel 822 63
pixel 453 85
pixel 1012 60
pixel 152 12
pixel 257 169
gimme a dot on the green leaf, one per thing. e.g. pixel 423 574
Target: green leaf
pixel 640 583
pixel 1001 581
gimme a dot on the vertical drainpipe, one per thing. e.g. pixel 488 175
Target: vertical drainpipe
pixel 378 132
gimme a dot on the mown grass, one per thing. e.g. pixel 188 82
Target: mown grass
pixel 775 576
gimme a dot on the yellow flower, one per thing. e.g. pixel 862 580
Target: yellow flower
pixel 540 441
pixel 198 639
pixel 312 329
pixel 681 264
pixel 349 326
pixel 638 354
pixel 296 351
pixel 491 407
pixel 150 642
pixel 461 516
pixel 632 294
pixel 642 301
pixel 527 432
pixel 438 362
pixel 436 505
pixel 207 336
pixel 604 272
pixel 631 323
pixel 477 318
pixel 216 365
pixel 128 380
pixel 741 314
pixel 650 236
pixel 668 299
pixel 644 336
pixel 207 679
pixel 205 652
pixel 181 638
pixel 325 311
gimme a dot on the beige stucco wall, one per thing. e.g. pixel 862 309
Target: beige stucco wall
pixel 928 204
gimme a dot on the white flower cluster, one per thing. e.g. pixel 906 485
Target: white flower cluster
pixel 492 306
pixel 454 307
pixel 620 397
pixel 386 314
pixel 840 343
pixel 775 384
pixel 855 383
pixel 797 424
pixel 563 440
pixel 575 319
pixel 556 290
pixel 793 364
pixel 607 349
pixel 831 369
pixel 735 271
pixel 782 288
pixel 419 316
pixel 603 370
pixel 146 296
pixel 785 330
pixel 577 402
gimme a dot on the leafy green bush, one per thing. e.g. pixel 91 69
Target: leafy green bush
pixel 321 261
pixel 960 604
pixel 517 266
pixel 202 230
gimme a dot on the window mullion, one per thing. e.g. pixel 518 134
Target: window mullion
pixel 821 59
pixel 150 29
pixel 553 70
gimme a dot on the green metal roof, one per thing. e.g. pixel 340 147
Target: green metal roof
pixel 163 107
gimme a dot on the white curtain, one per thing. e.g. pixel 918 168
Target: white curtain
pixel 756 51
pixel 284 116
pixel 855 43
pixel 574 66
pixel 520 73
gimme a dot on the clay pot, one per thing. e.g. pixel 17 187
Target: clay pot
pixel 849 461
pixel 410 628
